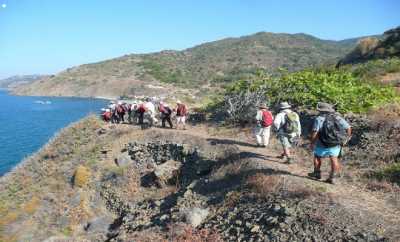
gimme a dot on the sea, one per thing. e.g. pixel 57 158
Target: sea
pixel 27 123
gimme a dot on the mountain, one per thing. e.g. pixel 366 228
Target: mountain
pixel 199 68
pixel 12 82
pixel 373 48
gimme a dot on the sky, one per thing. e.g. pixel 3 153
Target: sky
pixel 48 36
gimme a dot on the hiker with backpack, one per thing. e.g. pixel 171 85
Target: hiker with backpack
pixel 120 111
pixel 330 133
pixel 165 112
pixel 140 110
pixel 264 121
pixel 181 113
pixel 287 124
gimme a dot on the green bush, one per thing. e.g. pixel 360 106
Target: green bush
pixel 390 173
pixel 308 87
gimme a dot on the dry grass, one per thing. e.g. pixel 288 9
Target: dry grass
pixel 81 176
pixel 31 206
pixel 186 233
pixel 264 184
pixel 384 186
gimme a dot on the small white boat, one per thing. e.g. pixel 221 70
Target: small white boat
pixel 42 102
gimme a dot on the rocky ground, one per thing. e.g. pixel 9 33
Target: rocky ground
pixel 101 182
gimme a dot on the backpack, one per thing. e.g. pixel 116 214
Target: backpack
pixel 290 126
pixel 267 119
pixel 167 111
pixel 332 132
pixel 120 109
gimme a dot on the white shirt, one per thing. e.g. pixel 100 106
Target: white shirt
pixel 280 121
pixel 151 107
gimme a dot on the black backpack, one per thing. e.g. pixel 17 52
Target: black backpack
pixel 332 132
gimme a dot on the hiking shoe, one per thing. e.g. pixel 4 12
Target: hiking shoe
pixel 281 156
pixel 315 174
pixel 331 180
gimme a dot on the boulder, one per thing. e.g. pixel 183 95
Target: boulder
pixel 196 216
pixel 123 160
pixel 168 172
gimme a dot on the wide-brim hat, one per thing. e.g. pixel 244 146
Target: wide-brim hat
pixel 325 107
pixel 284 105
pixel 263 106
pixel 178 102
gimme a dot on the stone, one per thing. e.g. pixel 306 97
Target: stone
pixel 168 172
pixel 196 216
pixel 255 229
pixel 123 160
pixel 99 224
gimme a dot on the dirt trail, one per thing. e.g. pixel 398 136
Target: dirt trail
pixel 353 196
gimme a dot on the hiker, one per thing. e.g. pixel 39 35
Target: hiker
pixel 151 109
pixel 329 133
pixel 140 110
pixel 113 108
pixel 181 112
pixel 287 124
pixel 106 114
pixel 132 112
pixel 264 121
pixel 120 112
pixel 166 112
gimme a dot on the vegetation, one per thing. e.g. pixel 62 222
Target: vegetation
pixel 351 89
pixel 390 173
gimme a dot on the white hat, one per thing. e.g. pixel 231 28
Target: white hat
pixel 161 102
pixel 179 102
pixel 284 105
pixel 119 102
pixel 103 109
pixel 166 105
pixel 108 110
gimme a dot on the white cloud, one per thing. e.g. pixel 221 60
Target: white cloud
pixel 4 5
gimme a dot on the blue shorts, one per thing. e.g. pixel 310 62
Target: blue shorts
pixel 321 151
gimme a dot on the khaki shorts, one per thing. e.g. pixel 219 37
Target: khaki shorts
pixel 180 119
pixel 285 141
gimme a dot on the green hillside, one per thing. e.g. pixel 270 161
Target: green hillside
pixel 206 66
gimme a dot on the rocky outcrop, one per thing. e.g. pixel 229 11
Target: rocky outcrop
pixel 371 48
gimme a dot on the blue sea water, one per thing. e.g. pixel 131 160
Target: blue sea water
pixel 26 123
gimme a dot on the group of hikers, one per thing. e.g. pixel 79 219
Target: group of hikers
pixel 330 132
pixel 145 113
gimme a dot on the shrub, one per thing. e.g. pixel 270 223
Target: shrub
pixel 389 173
pixel 81 176
pixel 306 88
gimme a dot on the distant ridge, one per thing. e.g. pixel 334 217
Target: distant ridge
pixel 200 68
pixel 12 82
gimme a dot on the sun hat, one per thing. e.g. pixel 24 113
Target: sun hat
pixel 325 107
pixel 263 106
pixel 284 105
pixel 179 102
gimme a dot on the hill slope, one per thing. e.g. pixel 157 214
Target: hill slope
pixel 373 48
pixel 14 81
pixel 202 66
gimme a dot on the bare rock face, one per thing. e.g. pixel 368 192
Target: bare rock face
pixel 165 174
pixel 168 172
